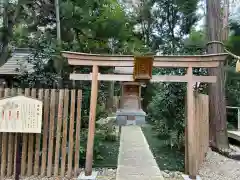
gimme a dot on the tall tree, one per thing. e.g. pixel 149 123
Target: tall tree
pixel 217 108
pixel 163 23
pixel 58 25
pixel 225 20
pixel 59 60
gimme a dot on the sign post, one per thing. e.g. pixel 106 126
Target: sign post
pixel 20 114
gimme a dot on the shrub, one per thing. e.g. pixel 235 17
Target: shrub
pixel 166 112
pixel 104 133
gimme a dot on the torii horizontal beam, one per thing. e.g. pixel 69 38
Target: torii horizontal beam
pixel 155 78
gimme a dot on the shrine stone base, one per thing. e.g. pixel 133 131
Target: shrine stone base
pixel 130 117
pixel 186 177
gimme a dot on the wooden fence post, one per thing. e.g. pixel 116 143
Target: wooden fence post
pixel 64 133
pixel 59 128
pixel 78 131
pixel 38 141
pixel 51 132
pixel 25 144
pixel 31 143
pixel 71 129
pixel 4 145
pixel 45 132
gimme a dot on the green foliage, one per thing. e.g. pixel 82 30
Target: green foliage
pixel 47 64
pixel 104 134
pixel 166 112
pixel 98 144
pixel 232 79
pixel 195 43
pixel 101 112
pixel 166 109
pixel 166 157
pixel 158 21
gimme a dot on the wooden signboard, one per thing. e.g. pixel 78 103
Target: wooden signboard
pixel 20 114
pixel 143 68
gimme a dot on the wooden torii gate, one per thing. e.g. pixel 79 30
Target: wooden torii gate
pixel 188 61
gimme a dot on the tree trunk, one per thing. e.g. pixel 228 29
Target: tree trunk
pixel 58 22
pixel 110 94
pixel 110 97
pixel 225 20
pixel 225 29
pixel 58 27
pixel 217 106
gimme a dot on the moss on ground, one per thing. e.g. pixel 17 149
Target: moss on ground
pixel 109 153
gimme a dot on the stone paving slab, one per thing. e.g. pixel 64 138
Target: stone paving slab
pixel 129 177
pixel 135 159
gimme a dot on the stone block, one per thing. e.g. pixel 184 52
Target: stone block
pixel 186 177
pixel 122 115
pixel 91 177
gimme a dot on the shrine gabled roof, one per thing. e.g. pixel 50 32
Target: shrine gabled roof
pixel 20 61
pixel 16 63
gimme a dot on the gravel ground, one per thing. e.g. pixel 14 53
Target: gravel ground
pixel 218 167
pixel 104 174
pixel 215 167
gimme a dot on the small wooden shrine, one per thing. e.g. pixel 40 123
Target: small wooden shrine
pixel 130 111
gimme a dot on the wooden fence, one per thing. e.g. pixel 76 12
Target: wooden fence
pixel 54 152
pixel 201 129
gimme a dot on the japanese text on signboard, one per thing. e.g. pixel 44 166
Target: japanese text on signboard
pixel 20 114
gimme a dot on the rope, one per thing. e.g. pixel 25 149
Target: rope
pixel 230 53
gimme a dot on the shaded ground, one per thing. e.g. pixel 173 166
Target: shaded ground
pixel 215 167
pixel 167 158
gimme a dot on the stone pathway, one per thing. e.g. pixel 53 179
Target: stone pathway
pixel 135 159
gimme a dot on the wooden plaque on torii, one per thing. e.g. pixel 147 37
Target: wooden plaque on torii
pixel 142 68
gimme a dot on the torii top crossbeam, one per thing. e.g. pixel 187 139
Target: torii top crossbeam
pixel 208 60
